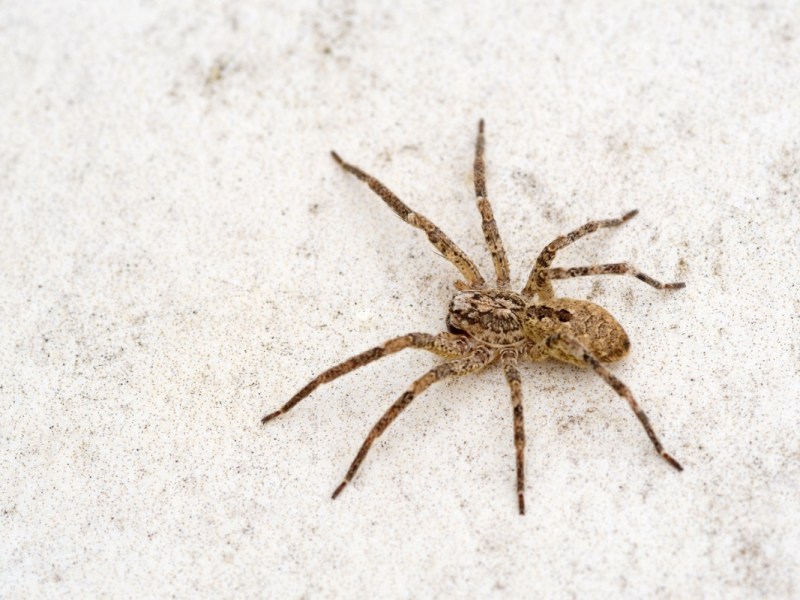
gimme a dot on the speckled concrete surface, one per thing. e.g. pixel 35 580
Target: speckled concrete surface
pixel 179 255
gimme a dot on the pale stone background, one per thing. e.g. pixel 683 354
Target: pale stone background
pixel 179 255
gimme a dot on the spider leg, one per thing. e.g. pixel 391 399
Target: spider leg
pixel 537 282
pixel 573 347
pixel 611 269
pixel 509 360
pixel 436 236
pixel 490 232
pixel 445 344
pixel 460 366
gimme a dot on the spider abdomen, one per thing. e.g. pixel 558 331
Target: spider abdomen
pixel 589 323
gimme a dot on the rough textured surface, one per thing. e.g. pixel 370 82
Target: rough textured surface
pixel 180 255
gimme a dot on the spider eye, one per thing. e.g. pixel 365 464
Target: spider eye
pixel 564 315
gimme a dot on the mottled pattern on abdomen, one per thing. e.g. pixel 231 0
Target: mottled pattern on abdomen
pixel 590 324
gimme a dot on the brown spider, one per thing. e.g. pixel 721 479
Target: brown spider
pixel 493 323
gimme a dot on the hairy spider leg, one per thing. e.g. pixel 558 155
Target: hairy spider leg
pixel 436 236
pixel 509 361
pixel 610 269
pixel 461 366
pixel 573 347
pixel 537 281
pixel 490 232
pixel 444 344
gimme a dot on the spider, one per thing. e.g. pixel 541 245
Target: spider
pixel 490 324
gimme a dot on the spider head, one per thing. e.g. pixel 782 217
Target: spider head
pixel 493 317
pixel 591 324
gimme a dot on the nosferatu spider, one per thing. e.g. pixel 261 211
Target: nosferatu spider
pixel 491 323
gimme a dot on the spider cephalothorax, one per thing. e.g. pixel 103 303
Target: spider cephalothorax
pixel 488 324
